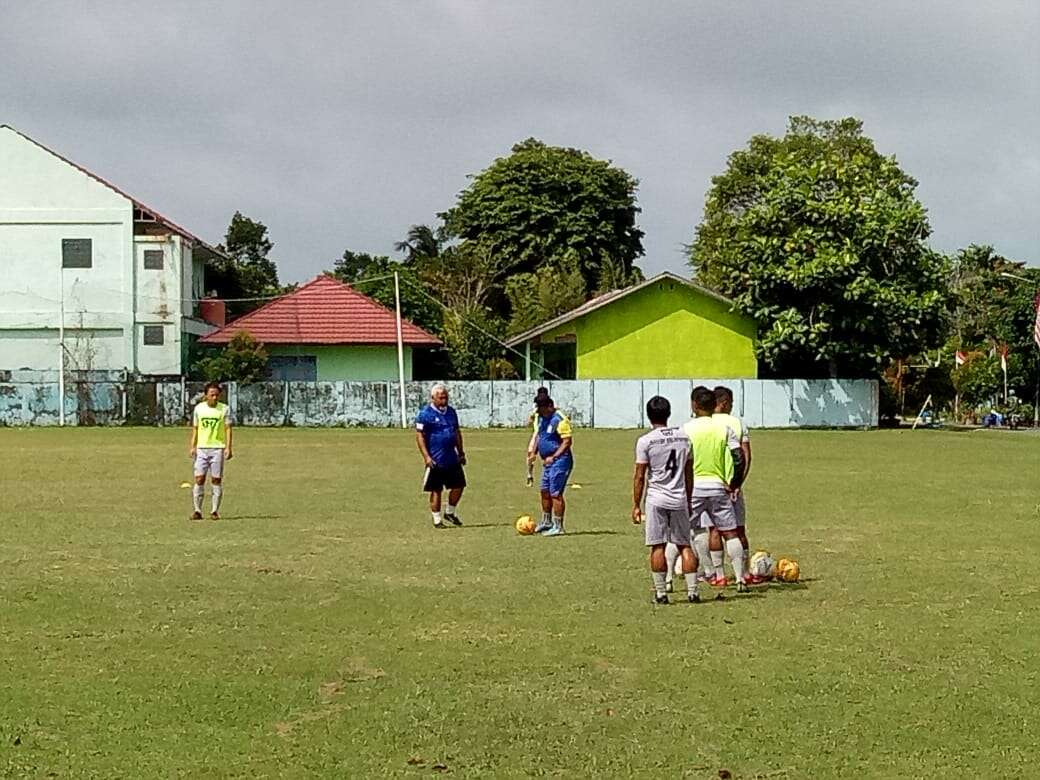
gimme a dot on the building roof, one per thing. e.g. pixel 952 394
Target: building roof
pixel 152 213
pixel 324 311
pixel 614 295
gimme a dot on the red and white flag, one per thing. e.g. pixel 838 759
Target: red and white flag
pixel 1036 323
pixel 1003 351
pixel 960 358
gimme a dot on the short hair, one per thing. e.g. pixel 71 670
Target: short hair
pixel 658 410
pixel 437 387
pixel 723 393
pixel 703 398
pixel 214 385
pixel 541 392
pixel 543 401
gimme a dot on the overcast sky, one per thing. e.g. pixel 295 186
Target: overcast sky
pixel 339 124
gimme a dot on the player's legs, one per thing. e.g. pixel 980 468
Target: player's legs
pixel 725 520
pixel 559 473
pixel 671 556
pixel 716 550
pixel 455 481
pixel 740 509
pixel 679 536
pixel 216 480
pixel 655 529
pixel 198 490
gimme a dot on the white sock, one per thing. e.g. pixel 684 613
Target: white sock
pixel 700 546
pixel 557 521
pixel 735 550
pixel 450 510
pixel 198 492
pixel 671 554
pixel 716 562
pixel 660 587
pixel 218 493
pixel 436 518
pixel 691 584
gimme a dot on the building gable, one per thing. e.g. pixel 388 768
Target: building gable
pixel 36 179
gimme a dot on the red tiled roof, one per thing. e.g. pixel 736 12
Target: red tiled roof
pixel 323 311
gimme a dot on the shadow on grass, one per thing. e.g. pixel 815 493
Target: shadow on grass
pixel 589 533
pixel 464 526
pixel 252 517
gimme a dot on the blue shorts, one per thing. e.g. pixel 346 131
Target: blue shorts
pixel 554 478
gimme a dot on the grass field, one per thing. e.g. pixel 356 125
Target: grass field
pixel 324 629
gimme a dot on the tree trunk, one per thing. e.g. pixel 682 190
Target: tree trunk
pixel 832 368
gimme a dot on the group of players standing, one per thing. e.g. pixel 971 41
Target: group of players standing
pixel 691 478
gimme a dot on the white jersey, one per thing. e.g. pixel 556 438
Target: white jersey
pixel 665 451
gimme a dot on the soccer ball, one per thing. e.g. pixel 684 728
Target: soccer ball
pixel 525 525
pixel 787 570
pixel 762 564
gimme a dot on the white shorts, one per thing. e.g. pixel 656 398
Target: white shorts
pixel 209 460
pixel 714 511
pixel 666 525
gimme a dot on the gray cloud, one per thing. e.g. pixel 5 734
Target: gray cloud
pixel 339 124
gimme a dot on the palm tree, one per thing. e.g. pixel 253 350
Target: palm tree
pixel 421 243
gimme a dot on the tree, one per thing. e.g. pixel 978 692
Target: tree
pixel 421 243
pixel 247 272
pixel 243 360
pixel 821 239
pixel 373 276
pixel 542 204
pixel 537 297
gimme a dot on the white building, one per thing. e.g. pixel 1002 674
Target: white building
pixel 79 256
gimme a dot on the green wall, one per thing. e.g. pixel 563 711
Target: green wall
pixel 667 330
pixel 350 363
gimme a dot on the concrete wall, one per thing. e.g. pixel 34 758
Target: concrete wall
pixel 351 364
pixel 665 330
pixel 31 398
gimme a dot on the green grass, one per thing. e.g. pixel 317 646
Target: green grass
pixel 324 629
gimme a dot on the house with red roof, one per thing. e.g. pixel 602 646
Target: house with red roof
pixel 328 331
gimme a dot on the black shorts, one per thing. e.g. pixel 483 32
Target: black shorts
pixel 437 478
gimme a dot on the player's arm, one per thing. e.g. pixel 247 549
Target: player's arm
pixel 420 441
pixel 460 448
pixel 638 486
pixel 688 478
pixel 228 433
pixel 194 435
pixel 745 448
pixel 532 446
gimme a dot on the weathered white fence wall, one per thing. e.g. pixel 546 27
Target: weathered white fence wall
pixel 31 398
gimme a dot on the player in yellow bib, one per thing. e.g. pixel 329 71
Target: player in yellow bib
pixel 725 417
pixel 210 447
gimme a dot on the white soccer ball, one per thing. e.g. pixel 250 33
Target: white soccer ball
pixel 762 564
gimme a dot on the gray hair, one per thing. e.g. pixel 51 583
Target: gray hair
pixel 437 387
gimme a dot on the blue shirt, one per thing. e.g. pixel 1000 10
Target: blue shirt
pixel 439 430
pixel 551 433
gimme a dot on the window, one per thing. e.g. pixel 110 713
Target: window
pixel 76 253
pixel 292 368
pixel 153 259
pixel 154 335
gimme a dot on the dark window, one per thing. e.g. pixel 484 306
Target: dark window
pixel 153 335
pixel 292 368
pixel 76 253
pixel 560 360
pixel 153 260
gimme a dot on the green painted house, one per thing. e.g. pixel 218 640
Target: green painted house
pixel 666 327
pixel 329 332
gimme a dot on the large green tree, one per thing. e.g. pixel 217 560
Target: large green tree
pixel 248 272
pixel 373 276
pixel 820 238
pixel 544 204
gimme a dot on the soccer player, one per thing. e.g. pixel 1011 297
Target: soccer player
pixel 532 445
pixel 718 469
pixel 210 448
pixel 439 438
pixel 663 455
pixel 724 415
pixel 555 448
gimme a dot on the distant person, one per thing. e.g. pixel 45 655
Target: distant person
pixel 532 445
pixel 718 471
pixel 665 470
pixel 439 438
pixel 210 448
pixel 555 449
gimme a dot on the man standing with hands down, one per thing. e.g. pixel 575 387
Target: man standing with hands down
pixel 439 439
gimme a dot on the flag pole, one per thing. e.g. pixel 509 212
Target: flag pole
pixel 400 349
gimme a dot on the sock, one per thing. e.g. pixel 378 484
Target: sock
pixel 450 510
pixel 716 562
pixel 546 519
pixel 700 546
pixel 660 588
pixel 197 494
pixel 436 518
pixel 557 521
pixel 671 555
pixel 691 584
pixel 735 550
pixel 530 471
pixel 218 493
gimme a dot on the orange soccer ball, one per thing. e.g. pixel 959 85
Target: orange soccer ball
pixel 525 525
